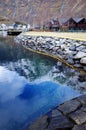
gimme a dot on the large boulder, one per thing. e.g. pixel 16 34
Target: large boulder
pixel 83 60
pixel 39 124
pixel 79 55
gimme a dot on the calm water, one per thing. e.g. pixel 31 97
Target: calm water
pixel 28 85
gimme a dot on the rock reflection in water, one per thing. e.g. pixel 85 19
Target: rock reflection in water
pixel 21 102
pixel 3 33
pixel 32 66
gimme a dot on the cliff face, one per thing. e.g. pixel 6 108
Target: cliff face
pixel 39 11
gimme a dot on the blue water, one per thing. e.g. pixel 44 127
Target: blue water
pixel 27 86
pixel 21 102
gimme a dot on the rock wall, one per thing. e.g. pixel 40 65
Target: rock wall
pixel 70 52
pixel 70 115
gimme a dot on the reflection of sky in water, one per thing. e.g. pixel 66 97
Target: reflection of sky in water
pixel 21 102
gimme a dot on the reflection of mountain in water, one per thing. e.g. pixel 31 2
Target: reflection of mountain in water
pixel 22 102
pixel 29 85
pixel 33 66
pixel 30 69
pixel 33 70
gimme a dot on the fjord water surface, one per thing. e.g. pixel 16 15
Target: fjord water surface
pixel 27 86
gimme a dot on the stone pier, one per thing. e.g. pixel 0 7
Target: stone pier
pixel 70 115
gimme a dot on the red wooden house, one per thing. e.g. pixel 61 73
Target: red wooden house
pixel 55 25
pixel 81 23
pixel 66 24
pixel 70 24
pixel 48 25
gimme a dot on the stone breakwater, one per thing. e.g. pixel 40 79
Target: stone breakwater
pixel 68 51
pixel 70 115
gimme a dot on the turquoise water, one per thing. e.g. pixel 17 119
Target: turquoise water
pixel 27 86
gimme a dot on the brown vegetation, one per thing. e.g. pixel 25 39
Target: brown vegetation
pixel 36 12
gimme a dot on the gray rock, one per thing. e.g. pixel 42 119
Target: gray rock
pixel 48 39
pixel 84 43
pixel 79 127
pixel 59 51
pixel 63 46
pixel 53 53
pixel 74 52
pixel 39 39
pixel 84 50
pixel 83 60
pixel 62 41
pixel 82 78
pixel 80 48
pixel 53 42
pixel 73 48
pixel 70 61
pixel 79 55
pixel 79 117
pixel 39 124
pixel 69 106
pixel 78 65
pixel 77 61
pixel 69 40
pixel 55 70
pixel 29 37
pixel 68 52
pixel 59 63
pixel 57 42
pixel 69 56
pixel 84 68
pixel 55 48
pixel 82 99
pixel 60 123
pixel 77 44
pixel 64 57
pixel 83 108
pixel 55 113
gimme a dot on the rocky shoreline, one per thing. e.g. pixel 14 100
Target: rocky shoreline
pixel 70 115
pixel 59 49
pixel 70 52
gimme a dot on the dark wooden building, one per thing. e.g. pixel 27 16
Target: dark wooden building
pixel 70 24
pixel 52 25
pixel 80 23
pixel 65 24
pixel 55 25
pixel 47 26
pixel 75 24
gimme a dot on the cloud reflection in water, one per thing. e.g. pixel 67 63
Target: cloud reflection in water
pixel 22 102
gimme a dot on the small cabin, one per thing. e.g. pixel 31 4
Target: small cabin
pixel 65 24
pixel 55 25
pixel 48 26
pixel 81 23
pixel 70 24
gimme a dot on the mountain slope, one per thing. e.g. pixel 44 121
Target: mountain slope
pixel 38 11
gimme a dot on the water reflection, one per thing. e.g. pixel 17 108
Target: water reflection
pixel 32 66
pixel 3 33
pixel 21 102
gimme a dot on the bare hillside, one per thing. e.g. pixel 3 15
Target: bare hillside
pixel 38 11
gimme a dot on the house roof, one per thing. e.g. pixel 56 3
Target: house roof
pixel 77 20
pixel 62 20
